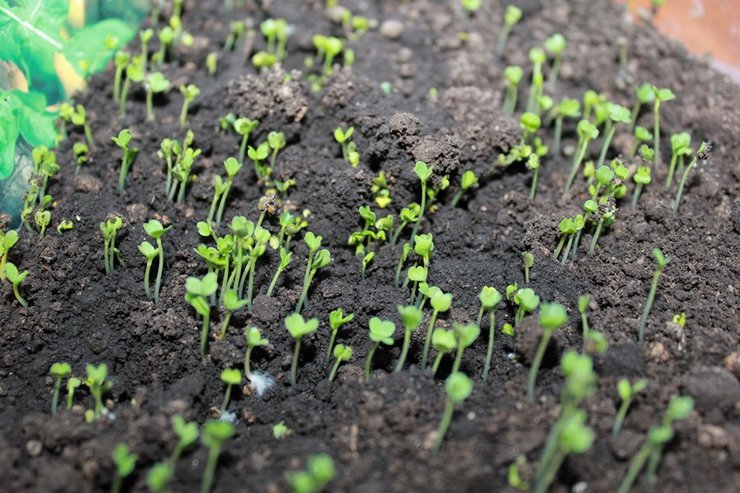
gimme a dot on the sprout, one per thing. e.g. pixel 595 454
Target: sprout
pixel 606 213
pixel 641 178
pixel 154 83
pixel 645 95
pixel 166 37
pixel 567 108
pixel 15 278
pixel 465 335
pixel 189 93
pixel 319 473
pixel 78 116
pixel 627 392
pixel 58 371
pixel 263 60
pixel 64 225
pixel 110 252
pixel 231 377
pixel 678 408
pixel 537 57
pixel 468 180
pixel 121 60
pixel 80 150
pixel 129 154
pixel 198 291
pixel 381 331
pixel 489 299
pixel 680 147
pixel 276 141
pixel 317 259
pixel 341 353
pixel 552 317
pixel 641 135
pixel 125 462
pixel 7 241
pixel 533 164
pixel 150 253
pixel 512 15
pixel 254 339
pixel 441 302
pixel 513 75
pixel 527 301
pixel 555 45
pixel 155 230
pixel 407 216
pixel 231 303
pixel 411 317
pixel 280 430
pixel 187 434
pixel 45 166
pixel 366 260
pixel 135 72
pixel 586 133
pixel 222 188
pixel 212 63
pixel 569 228
pixel 530 123
pixel 583 302
pixel 444 341
pixel 527 263
pixel 299 328
pixel 336 320
pixel 617 114
pixel 285 259
pixel 662 262
pixel 423 172
pixel 573 437
pixel 236 32
pixel 258 157
pixel 215 434
pixel 244 127
pixel 159 476
pixel 97 383
pixel 349 149
pixel 458 387
pixel 661 95
pixel 42 219
pixel 261 239
pixel 703 153
pixel 72 384
pixel 328 47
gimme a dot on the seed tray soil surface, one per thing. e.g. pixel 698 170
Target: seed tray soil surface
pixel 379 432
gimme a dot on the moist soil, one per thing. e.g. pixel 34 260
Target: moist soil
pixel 379 432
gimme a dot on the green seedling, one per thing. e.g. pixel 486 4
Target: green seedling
pixel 381 331
pixel 64 225
pixel 512 15
pixel 198 292
pixel 215 434
pixel 45 166
pixel 367 260
pixel 641 179
pixel 555 45
pixel 261 239
pixel 527 263
pixel 236 33
pixel 467 181
pixel 145 36
pixel 317 259
pixel 258 157
pixel 128 155
pixel 15 278
pixel 441 302
pixel 276 32
pixel 320 471
pixel 154 83
pixel 538 57
pixel 337 319
pixel 125 462
pixel 254 339
pixel 328 48
pixel 567 108
pixel 411 317
pixel 661 96
pixel 533 164
pixel 465 335
pixel 72 384
pixel 187 435
pixel 408 215
pixel 423 247
pixel 661 262
pixel 280 430
pixel 595 342
pixel 627 392
pixel 98 384
pixel 110 229
pixel 424 173
pixel 406 250
pixel 231 303
pixel 458 387
pixel 59 371
pixel 298 329
pixel 513 75
pixel 212 63
pixel 263 60
pixel 641 136
pixel 42 220
pixel 586 133
pixel 7 241
pixel 489 299
pixel 680 147
pixel 526 301
pixel 159 476
pixel 232 169
pixel 617 114
pixel 569 228
pixel 552 316
pixel 583 302
pixel 679 408
pixel 574 437
pixel 80 151
pixel 135 72
pixel 644 95
pixel 606 214
pixel 166 37
pixel 244 127
pixel 276 141
pixel 189 93
pixel 341 353
pixel 529 123
pixel 348 147
pixel 231 377
pixel 285 259
pixel 444 341
pixel 156 230
pixel 121 60
pixel 702 154
pixel 78 116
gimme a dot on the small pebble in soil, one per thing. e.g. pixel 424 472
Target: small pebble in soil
pixel 391 28
pixel 33 447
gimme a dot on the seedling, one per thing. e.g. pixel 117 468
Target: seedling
pixel 411 317
pixel 236 32
pixel 512 15
pixel 298 329
pixel 145 36
pixel 78 117
pixel 125 462
pixel 527 263
pixel 458 387
pixel 586 133
pixel 16 278
pixel 129 154
pixel 661 262
pixel 135 72
pixel 341 353
pixel 533 164
pixel 215 434
pixel 661 96
pixel 244 127
pixel 606 214
pixel 573 437
pixel 110 252
pixel 320 471
pixel 444 341
pixel 166 37
pixel 537 57
pixel 381 331
pixel 154 83
pixel 280 430
pixel 627 392
pixel 407 216
pixel 641 179
pixel 159 476
pixel 155 230
pixel 212 63
pixel 328 47
pixel 276 141
pixel 189 93
pixel 285 259
pixel 231 303
pixel 552 317
pixel 678 408
pixel 645 95
pixel 276 32
pixel 465 335
pixel 317 259
pixel 441 302
pixel 349 149
pixel 423 172
pixel 222 189
pixel 567 108
pixel 489 299
pixel 231 377
pixel 526 301
pixel 45 166
pixel 555 45
pixel 64 225
pixel 703 153
pixel 97 383
pixel 467 181
pixel 80 151
pixel 72 384
pixel 336 320
pixel 58 371
pixel 583 302
pixel 617 114
pixel 513 75
pixel 7 241
pixel 254 339
pixel 406 250
pixel 258 157
pixel 121 60
pixel 569 228
pixel 261 239
pixel 680 147
pixel 42 219
pixel 187 434
pixel 198 292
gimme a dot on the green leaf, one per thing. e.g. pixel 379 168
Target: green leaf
pixel 86 50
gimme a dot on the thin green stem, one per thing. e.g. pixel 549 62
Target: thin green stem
pixel 611 129
pixel 648 304
pixel 656 134
pixel 334 369
pixel 369 360
pixel 274 281
pixel 294 364
pixel 247 357
pixel 306 281
pixel 55 396
pixel 227 396
pixel 634 468
pixel 210 471
pixel 437 361
pixel 682 183
pixel 458 357
pixel 489 351
pixel 533 188
pixel 567 249
pixel 204 335
pixel 597 233
pixel 147 271
pixel 577 159
pixel 536 362
pixel 444 424
pixel 671 171
pixel 404 351
pixel 428 339
pixel 558 133
pixel 160 269
pixel 621 414
pixel 636 195
pixel 331 345
pixel 225 325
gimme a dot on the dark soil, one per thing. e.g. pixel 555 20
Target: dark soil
pixel 379 432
